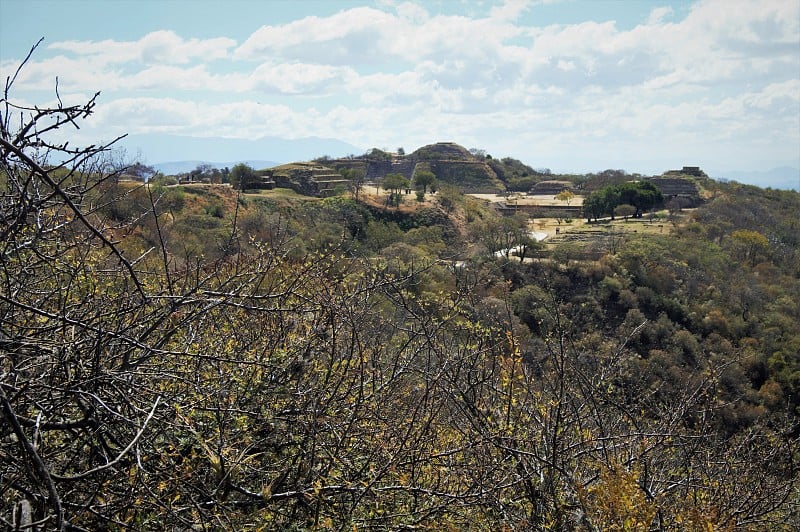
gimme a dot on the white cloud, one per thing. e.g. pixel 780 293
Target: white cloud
pixel 730 41
pixel 403 73
pixel 566 66
pixel 364 36
pixel 658 14
pixel 165 77
pixel 158 47
pixel 411 12
pixel 509 10
pixel 72 73
pixel 300 78
pixel 348 36
pixel 242 119
pixel 388 89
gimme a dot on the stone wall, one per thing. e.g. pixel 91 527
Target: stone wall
pixel 676 187
pixel 550 188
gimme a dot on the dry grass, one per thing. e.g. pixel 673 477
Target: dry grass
pixel 524 199
pixel 280 194
pixel 587 234
pixel 410 204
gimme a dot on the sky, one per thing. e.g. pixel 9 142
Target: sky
pixel 571 85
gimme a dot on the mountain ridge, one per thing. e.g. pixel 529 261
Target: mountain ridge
pixel 180 167
pixel 159 149
pixel 781 177
pixel 168 151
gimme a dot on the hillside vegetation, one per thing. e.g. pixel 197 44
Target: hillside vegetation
pixel 450 163
pixel 189 357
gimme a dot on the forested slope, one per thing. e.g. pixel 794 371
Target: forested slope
pixel 186 357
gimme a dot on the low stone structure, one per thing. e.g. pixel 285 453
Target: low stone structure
pixel 678 187
pixel 375 170
pixel 550 188
pixel 305 178
pixel 539 211
pixel 693 171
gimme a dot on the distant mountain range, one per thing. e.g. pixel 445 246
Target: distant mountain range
pixel 181 167
pixel 784 177
pixel 175 153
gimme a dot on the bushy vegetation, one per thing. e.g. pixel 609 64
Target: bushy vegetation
pixel 470 176
pixel 517 176
pixel 183 357
pixel 637 196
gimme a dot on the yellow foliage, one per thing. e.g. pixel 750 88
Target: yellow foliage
pixel 617 502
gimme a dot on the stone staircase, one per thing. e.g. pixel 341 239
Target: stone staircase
pixel 307 179
pixel 677 187
pixel 328 181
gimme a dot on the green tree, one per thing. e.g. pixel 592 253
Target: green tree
pixel 643 195
pixel 594 206
pixel 424 179
pixel 355 177
pixel 141 171
pixel 610 197
pixel 624 210
pixel 201 173
pixel 394 183
pixel 242 176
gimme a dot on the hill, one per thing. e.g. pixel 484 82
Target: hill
pixel 450 163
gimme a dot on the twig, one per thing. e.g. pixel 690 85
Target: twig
pixel 119 457
pixel 39 465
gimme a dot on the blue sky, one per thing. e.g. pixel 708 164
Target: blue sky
pixel 573 85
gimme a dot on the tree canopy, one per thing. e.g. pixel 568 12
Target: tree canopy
pixel 395 182
pixel 424 179
pixel 642 195
pixel 242 176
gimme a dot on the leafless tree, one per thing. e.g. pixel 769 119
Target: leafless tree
pixel 270 385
